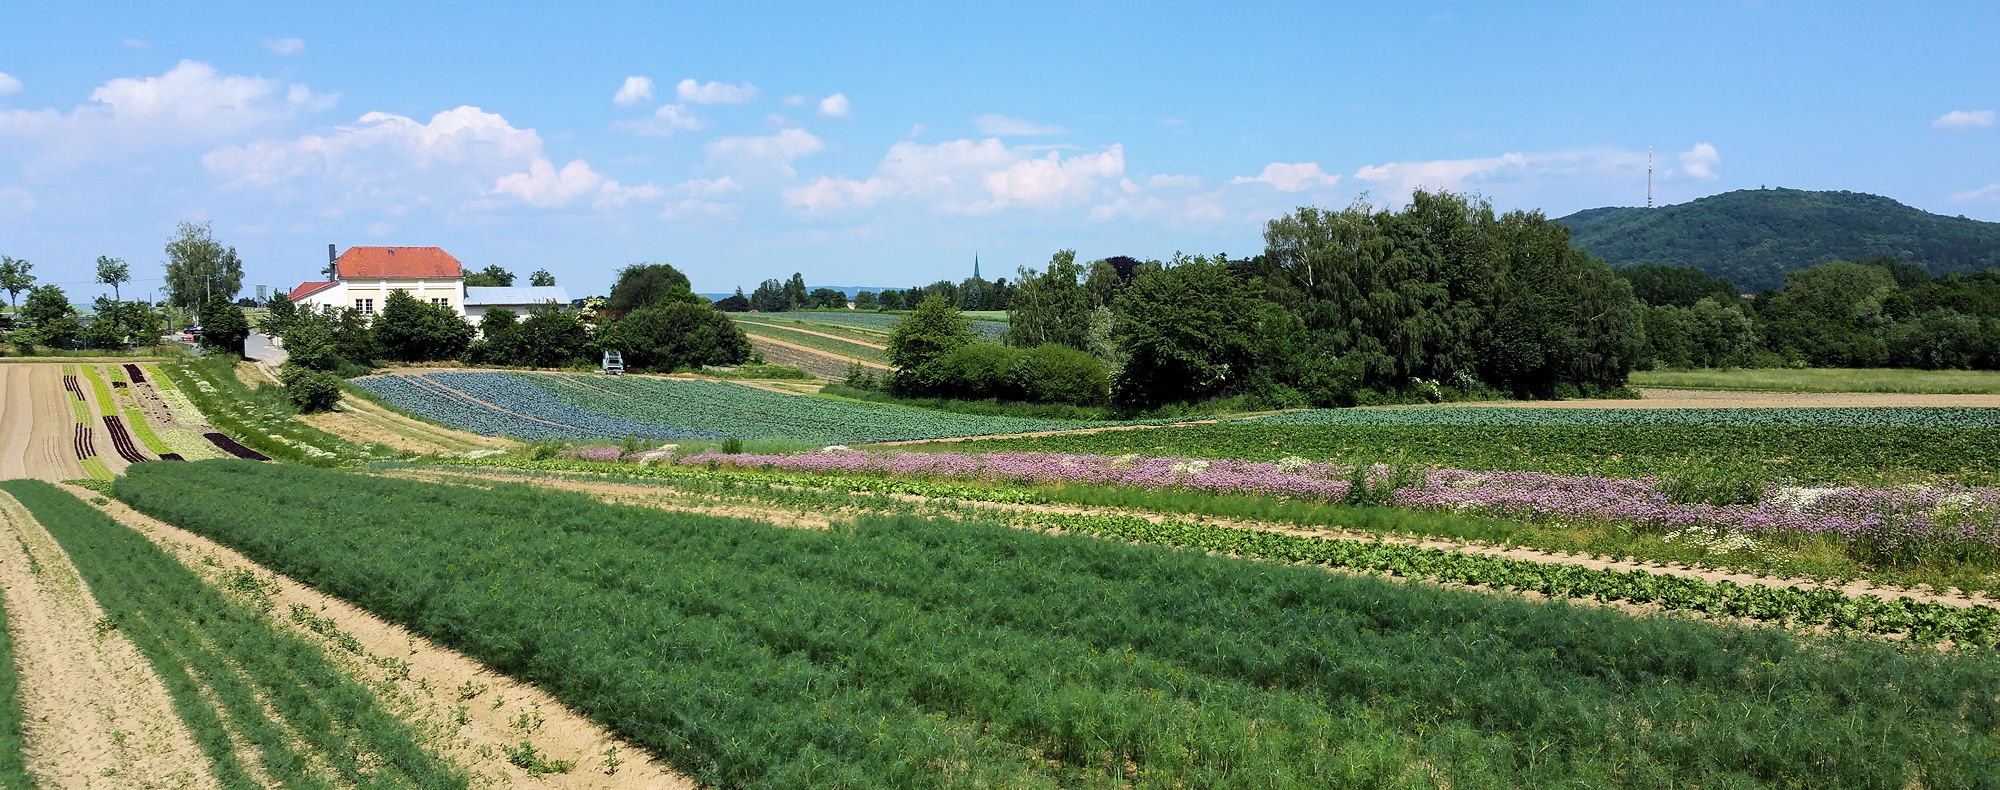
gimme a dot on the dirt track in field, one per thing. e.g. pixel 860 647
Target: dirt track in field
pixel 94 714
pixel 473 711
pixel 844 359
pixel 862 343
pixel 654 495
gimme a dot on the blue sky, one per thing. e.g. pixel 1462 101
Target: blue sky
pixel 878 144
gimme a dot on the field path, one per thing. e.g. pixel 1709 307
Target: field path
pixel 94 714
pixel 755 339
pixel 638 493
pixel 1063 432
pixel 479 709
pixel 862 343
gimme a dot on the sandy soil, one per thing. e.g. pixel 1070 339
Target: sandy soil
pixel 36 427
pixel 470 711
pixel 642 494
pixel 360 421
pixel 820 334
pixel 95 715
pixel 1718 399
pixel 17 421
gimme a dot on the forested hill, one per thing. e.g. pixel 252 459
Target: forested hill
pixel 1755 236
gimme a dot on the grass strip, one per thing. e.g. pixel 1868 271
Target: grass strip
pixel 914 653
pixel 265 427
pixel 278 692
pixel 827 344
pixel 1896 380
pixel 14 773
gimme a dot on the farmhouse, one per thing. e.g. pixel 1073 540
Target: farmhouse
pixel 363 278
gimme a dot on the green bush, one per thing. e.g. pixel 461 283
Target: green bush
pixel 310 390
pixel 1060 374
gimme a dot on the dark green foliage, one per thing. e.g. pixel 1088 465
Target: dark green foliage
pixel 199 268
pixel 891 300
pixel 260 419
pixel 826 299
pixel 490 276
pixel 863 300
pixel 228 671
pixel 310 390
pixel 1185 331
pixel 1046 374
pixel 923 337
pixel 736 303
pixel 1050 307
pixel 1679 286
pixel 648 284
pixel 553 336
pixel 413 331
pixel 1711 334
pixel 499 341
pixel 972 654
pixel 769 297
pixel 334 339
pixel 223 326
pixel 676 335
pixel 1834 315
pixel 1755 237
pixel 279 314
pixel 46 304
pixel 541 278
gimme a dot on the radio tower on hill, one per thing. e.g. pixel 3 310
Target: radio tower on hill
pixel 1649 175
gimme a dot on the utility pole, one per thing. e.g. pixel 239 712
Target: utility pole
pixel 1649 175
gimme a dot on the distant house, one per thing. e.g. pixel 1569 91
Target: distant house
pixel 479 299
pixel 363 278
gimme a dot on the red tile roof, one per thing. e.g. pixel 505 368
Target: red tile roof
pixel 360 263
pixel 308 288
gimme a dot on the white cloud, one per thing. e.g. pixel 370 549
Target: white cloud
pixel 1964 119
pixel 834 106
pixel 774 151
pixel 916 129
pixel 714 92
pixel 17 199
pixel 285 46
pixel 190 103
pixel 1988 192
pixel 135 43
pixel 971 177
pixel 8 84
pixel 392 163
pixel 1700 161
pixel 546 187
pixel 1003 126
pixel 1290 177
pixel 1456 174
pixel 696 198
pixel 635 90
pixel 795 100
pixel 1189 209
pixel 664 122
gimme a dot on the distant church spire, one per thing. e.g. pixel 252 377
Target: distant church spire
pixel 975 266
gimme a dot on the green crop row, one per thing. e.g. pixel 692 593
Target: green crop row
pixel 913 653
pixel 1814 455
pixel 1483 416
pixel 232 676
pixel 14 773
pixel 1829 608
pixel 228 407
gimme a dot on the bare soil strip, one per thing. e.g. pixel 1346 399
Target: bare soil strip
pixel 37 433
pixel 16 422
pixel 363 422
pixel 1727 399
pixel 1030 434
pixel 466 712
pixel 641 493
pixel 863 343
pixel 94 713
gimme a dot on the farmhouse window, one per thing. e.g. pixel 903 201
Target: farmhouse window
pixel 366 306
pixel 441 301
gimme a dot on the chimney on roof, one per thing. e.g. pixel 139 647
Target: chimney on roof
pixel 332 264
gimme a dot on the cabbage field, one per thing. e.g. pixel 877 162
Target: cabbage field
pixel 539 406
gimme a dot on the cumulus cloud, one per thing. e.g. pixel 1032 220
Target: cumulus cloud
pixel 1003 126
pixel 834 106
pixel 795 100
pixel 393 162
pixel 190 103
pixel 1173 182
pixel 1964 119
pixel 17 199
pixel 1457 174
pixel 135 43
pixel 8 84
pixel 1290 177
pixel 1176 211
pixel 664 122
pixel 635 90
pixel 970 177
pixel 714 92
pixel 285 46
pixel 699 198
pixel 773 151
pixel 1700 161
pixel 546 187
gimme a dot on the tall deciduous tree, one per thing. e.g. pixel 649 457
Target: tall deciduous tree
pixel 1050 307
pixel 199 267
pixel 14 278
pixel 413 331
pixel 113 272
pixel 648 284
pixel 934 330
pixel 223 327
pixel 490 277
pixel 541 278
